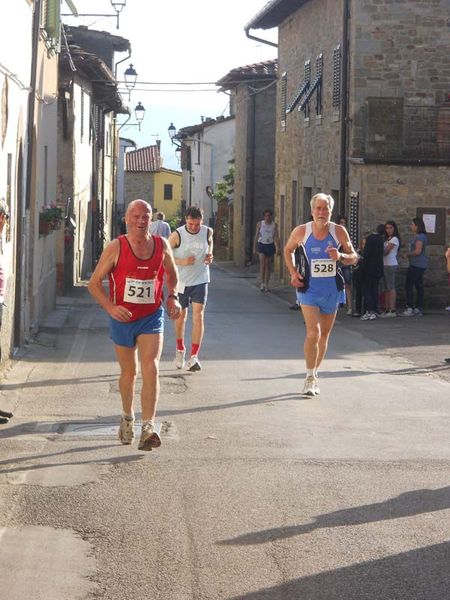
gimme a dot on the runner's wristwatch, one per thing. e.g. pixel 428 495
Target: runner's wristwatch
pixel 173 296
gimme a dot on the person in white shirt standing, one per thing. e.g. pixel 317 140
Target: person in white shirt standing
pixel 192 246
pixel 266 244
pixel 390 266
pixel 160 227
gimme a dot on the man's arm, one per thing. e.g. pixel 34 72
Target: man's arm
pixel 174 242
pixel 104 266
pixel 348 256
pixel 209 257
pixel 291 246
pixel 255 241
pixel 171 273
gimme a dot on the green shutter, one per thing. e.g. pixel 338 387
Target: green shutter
pixel 53 21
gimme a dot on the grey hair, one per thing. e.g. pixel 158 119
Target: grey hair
pixel 328 199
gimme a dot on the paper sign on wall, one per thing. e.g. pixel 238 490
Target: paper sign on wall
pixel 430 223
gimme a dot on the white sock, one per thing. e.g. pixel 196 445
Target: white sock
pixel 309 372
pixel 128 416
pixel 148 422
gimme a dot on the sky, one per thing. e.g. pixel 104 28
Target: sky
pixel 178 41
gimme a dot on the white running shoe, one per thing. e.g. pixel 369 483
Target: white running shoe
pixel 149 438
pixel 417 312
pixel 309 389
pixel 262 287
pixel 349 312
pixel 178 361
pixel 316 387
pixel 368 317
pixel 408 313
pixel 126 430
pixel 388 314
pixel 193 364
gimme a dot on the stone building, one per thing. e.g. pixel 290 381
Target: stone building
pixel 253 102
pixel 362 113
pixel 147 179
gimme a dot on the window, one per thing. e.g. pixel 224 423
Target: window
pixel 319 76
pixel 302 89
pixel 168 191
pixel 307 195
pixel 316 86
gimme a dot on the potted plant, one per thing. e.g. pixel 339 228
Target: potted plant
pixel 50 218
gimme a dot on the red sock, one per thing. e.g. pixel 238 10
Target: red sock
pixel 195 349
pixel 180 344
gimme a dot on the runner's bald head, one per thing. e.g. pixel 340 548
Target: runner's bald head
pixel 138 203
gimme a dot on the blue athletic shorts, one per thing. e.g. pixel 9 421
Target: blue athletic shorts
pixel 125 334
pixel 327 303
pixel 266 249
pixel 194 293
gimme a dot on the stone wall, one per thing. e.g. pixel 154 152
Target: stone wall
pixel 138 185
pixel 392 192
pixel 254 163
pixel 397 49
pixel 307 149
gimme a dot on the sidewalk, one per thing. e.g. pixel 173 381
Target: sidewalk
pixel 423 341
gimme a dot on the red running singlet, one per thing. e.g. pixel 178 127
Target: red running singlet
pixel 135 283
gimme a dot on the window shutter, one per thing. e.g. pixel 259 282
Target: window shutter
pixel 51 18
pixel 337 77
pixel 283 99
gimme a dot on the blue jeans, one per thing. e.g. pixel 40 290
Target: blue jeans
pixel 414 278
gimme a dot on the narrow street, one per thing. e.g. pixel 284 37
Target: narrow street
pixel 256 493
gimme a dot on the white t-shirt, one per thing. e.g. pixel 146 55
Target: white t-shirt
pixel 390 260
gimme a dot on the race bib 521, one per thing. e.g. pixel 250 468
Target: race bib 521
pixel 139 291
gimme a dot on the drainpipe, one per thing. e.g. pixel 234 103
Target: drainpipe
pixel 344 108
pixel 22 247
pixel 257 39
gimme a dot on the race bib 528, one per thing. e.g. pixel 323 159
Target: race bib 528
pixel 323 267
pixel 139 291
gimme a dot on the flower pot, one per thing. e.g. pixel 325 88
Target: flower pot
pixel 45 227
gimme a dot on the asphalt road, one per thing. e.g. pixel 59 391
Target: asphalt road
pixel 256 491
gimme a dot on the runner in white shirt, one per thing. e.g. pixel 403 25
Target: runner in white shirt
pixel 192 246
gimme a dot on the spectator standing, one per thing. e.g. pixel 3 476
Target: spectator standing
pixel 346 271
pixel 390 265
pixel 418 263
pixel 160 226
pixel 372 272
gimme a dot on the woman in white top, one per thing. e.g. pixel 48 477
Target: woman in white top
pixel 266 243
pixel 390 265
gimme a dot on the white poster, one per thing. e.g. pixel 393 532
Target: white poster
pixel 430 223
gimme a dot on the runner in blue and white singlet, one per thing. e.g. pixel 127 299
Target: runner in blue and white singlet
pixel 320 244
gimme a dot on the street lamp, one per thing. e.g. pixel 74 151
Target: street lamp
pixel 172 130
pixel 117 5
pixel 139 112
pixel 130 77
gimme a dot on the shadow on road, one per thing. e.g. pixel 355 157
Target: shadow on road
pixel 421 574
pixel 404 505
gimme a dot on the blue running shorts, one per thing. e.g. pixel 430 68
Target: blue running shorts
pixel 125 334
pixel 327 303
pixel 194 293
